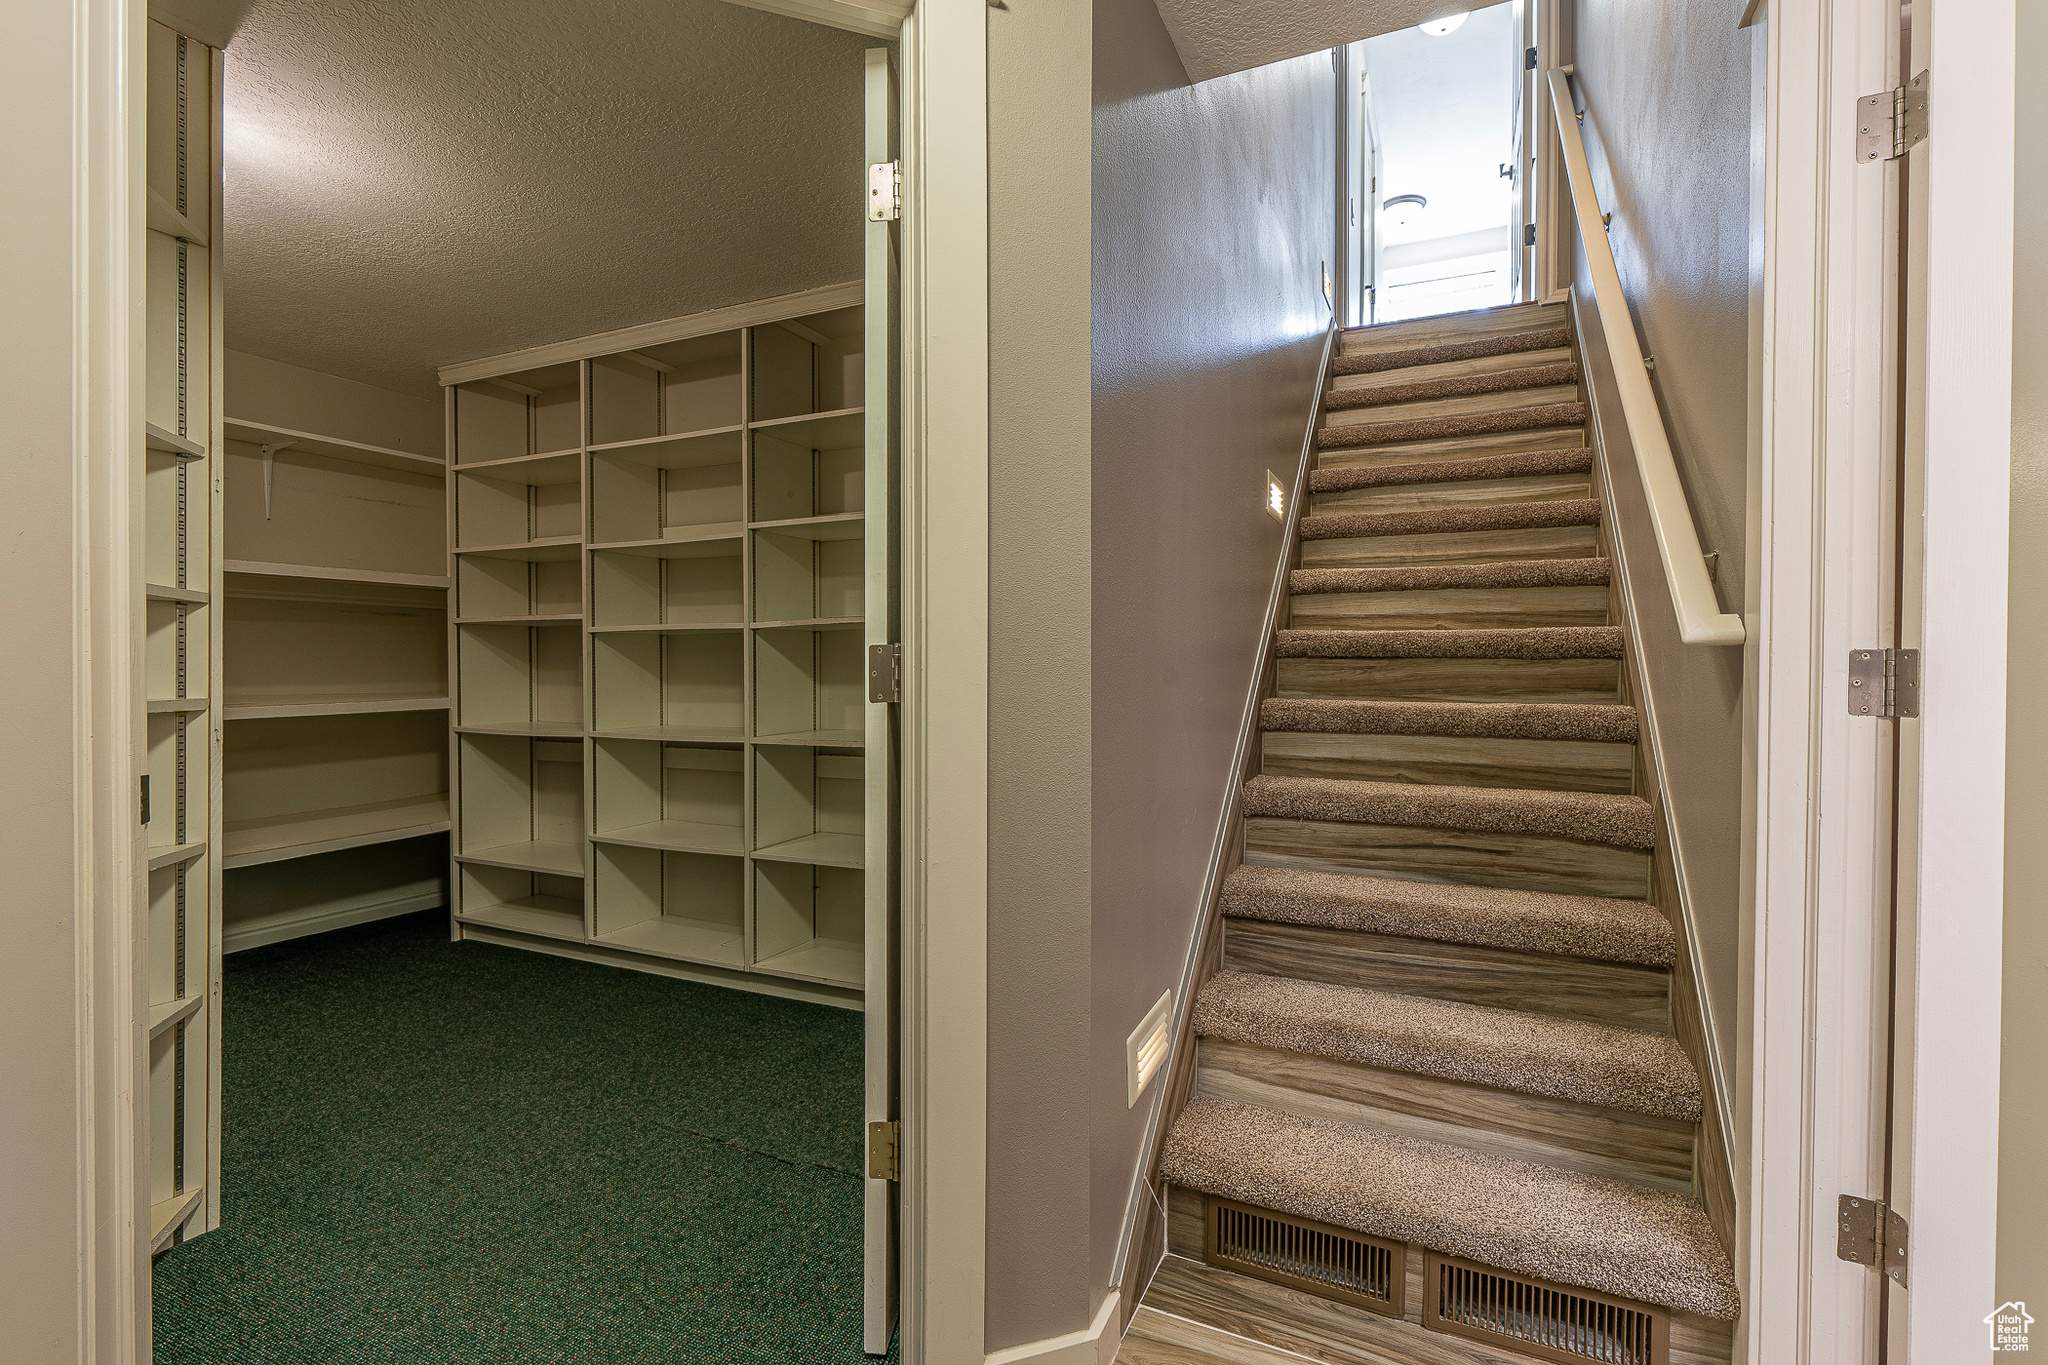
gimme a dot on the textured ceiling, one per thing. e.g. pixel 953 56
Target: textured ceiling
pixel 410 185
pixel 1217 37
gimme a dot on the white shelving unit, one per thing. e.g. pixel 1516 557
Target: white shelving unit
pixel 336 696
pixel 179 889
pixel 659 559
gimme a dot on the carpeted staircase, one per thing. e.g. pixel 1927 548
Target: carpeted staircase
pixel 1443 1011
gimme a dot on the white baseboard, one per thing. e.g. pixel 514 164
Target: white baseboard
pixel 1095 1346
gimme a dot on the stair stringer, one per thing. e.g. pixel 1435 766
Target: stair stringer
pixel 1670 890
pixel 1144 1240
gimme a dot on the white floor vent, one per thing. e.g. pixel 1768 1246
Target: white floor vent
pixel 1548 1321
pixel 1146 1049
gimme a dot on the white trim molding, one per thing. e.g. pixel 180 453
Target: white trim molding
pixel 1095 1344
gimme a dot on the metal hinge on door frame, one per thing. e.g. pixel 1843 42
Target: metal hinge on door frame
pixel 1869 1233
pixel 885 673
pixel 1884 682
pixel 885 191
pixel 885 1150
pixel 1892 122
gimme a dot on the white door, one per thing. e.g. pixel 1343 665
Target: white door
pixel 879 1279
pixel 1521 138
pixel 1370 142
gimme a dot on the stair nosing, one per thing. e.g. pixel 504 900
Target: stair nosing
pixel 1621 822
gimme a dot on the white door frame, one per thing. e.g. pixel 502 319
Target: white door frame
pixel 81 1149
pixel 1817 847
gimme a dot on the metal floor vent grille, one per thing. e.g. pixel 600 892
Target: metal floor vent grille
pixel 1335 1263
pixel 1548 1321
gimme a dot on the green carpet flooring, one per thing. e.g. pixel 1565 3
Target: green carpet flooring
pixel 454 1152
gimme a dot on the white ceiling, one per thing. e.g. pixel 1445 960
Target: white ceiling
pixel 1217 37
pixel 1444 107
pixel 410 185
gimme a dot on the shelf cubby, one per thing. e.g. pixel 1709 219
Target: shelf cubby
pixel 666 489
pixel 695 583
pixel 532 500
pixel 671 796
pixel 488 588
pixel 810 922
pixel 174 630
pixel 810 685
pixel 304 786
pixel 679 386
pixel 306 512
pixel 309 646
pixel 520 678
pixel 533 412
pixel 685 686
pixel 808 467
pixel 809 364
pixel 816 575
pixel 522 803
pixel 690 906
pixel 809 805
pixel 547 904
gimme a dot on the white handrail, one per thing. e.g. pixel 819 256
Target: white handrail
pixel 1700 618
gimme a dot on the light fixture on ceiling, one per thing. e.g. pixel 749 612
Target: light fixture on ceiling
pixel 1403 209
pixel 1437 28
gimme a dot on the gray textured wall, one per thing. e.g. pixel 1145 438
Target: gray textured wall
pixel 1214 207
pixel 2023 1101
pixel 1666 90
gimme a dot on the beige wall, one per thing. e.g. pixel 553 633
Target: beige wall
pixel 1666 90
pixel 280 395
pixel 2023 1080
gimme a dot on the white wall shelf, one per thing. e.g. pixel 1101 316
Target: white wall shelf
pixel 273 708
pixel 175 706
pixel 173 1012
pixel 175 854
pixel 283 441
pixel 259 569
pixel 158 592
pixel 168 442
pixel 301 834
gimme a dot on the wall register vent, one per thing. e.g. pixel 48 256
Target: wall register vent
pixel 1550 1322
pixel 1335 1263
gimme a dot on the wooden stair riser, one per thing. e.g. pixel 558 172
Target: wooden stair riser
pixel 1449 329
pixel 1450 409
pixel 1452 547
pixel 1436 450
pixel 1579 989
pixel 1589 681
pixel 1450 369
pixel 1521 862
pixel 1643 1148
pixel 1449 609
pixel 1453 761
pixel 1430 497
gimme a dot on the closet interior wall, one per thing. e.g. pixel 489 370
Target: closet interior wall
pixel 658 560
pixel 178 644
pixel 336 701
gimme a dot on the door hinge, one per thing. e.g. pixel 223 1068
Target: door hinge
pixel 142 806
pixel 885 1150
pixel 1529 60
pixel 1528 234
pixel 885 673
pixel 1884 682
pixel 1871 1234
pixel 1892 122
pixel 885 191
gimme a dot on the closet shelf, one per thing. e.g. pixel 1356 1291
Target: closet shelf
pixel 563 860
pixel 829 850
pixel 708 540
pixel 276 707
pixel 168 1215
pixel 682 628
pixel 837 526
pixel 819 739
pixel 719 945
pixel 164 217
pixel 717 452
pixel 539 471
pixel 278 838
pixel 533 551
pixel 544 729
pixel 160 706
pixel 171 443
pixel 558 618
pixel 821 959
pixel 285 441
pixel 677 836
pixel 159 592
pixel 269 570
pixel 171 1012
pixel 815 623
pixel 173 854
pixel 547 916
pixel 683 734
pixel 840 429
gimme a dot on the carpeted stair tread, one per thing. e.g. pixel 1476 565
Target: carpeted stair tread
pixel 1374 362
pixel 1524 642
pixel 1564 1059
pixel 1434 428
pixel 1507 573
pixel 1461 719
pixel 1590 817
pixel 1506 516
pixel 1592 927
pixel 1501 381
pixel 1607 1235
pixel 1524 465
